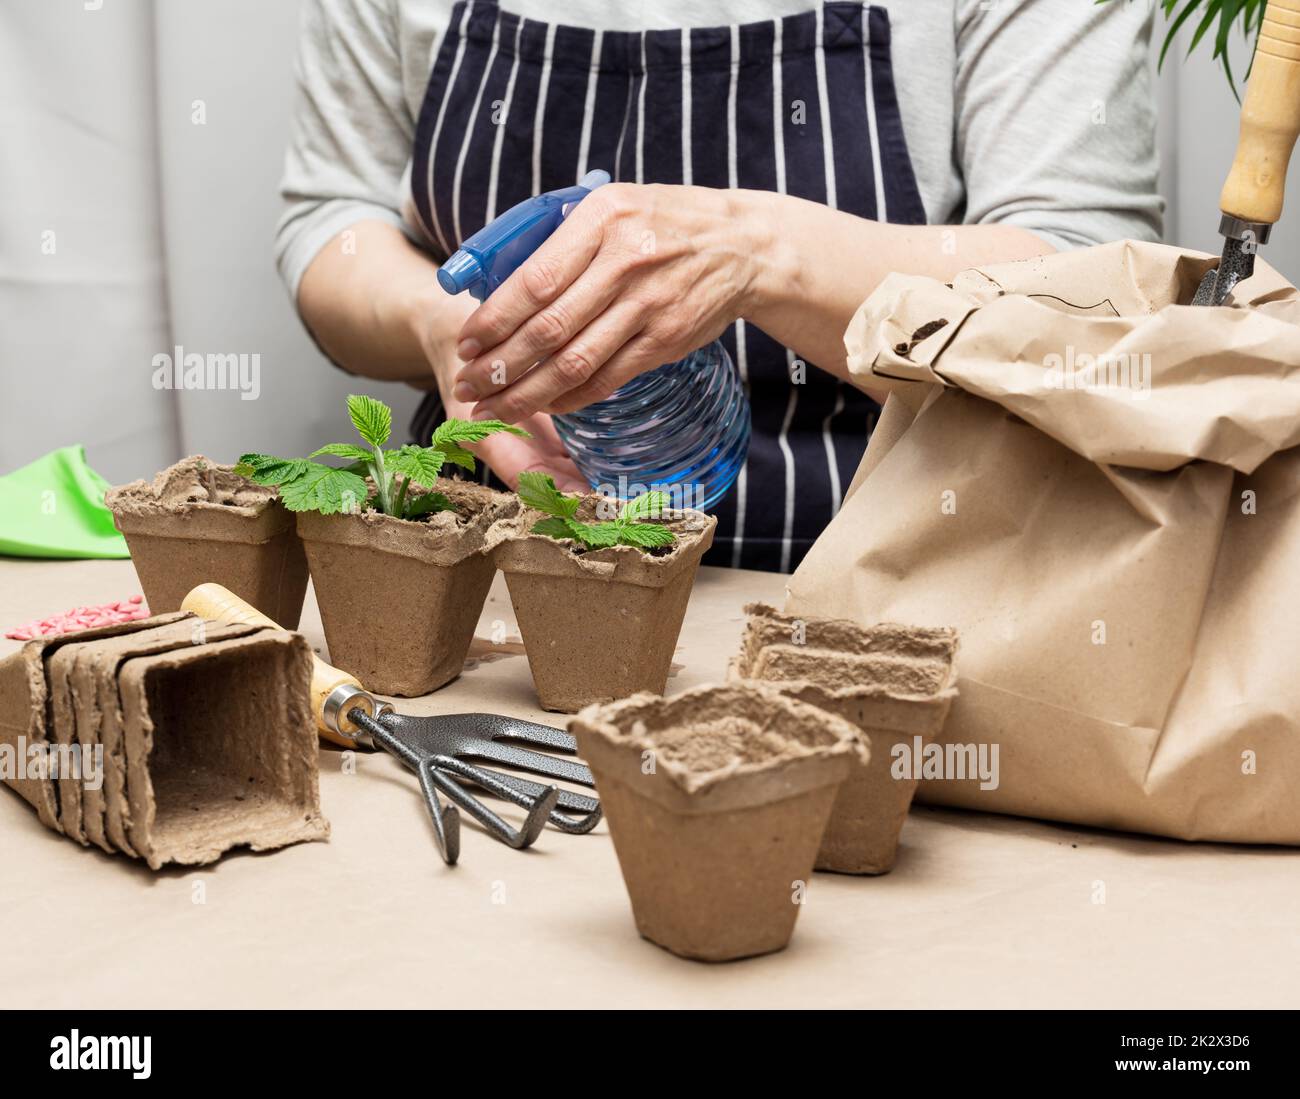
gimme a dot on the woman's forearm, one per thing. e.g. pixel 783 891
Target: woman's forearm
pixel 815 266
pixel 376 307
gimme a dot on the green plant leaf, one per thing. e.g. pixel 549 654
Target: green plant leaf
pixel 458 455
pixel 459 432
pixel 344 450
pixel 426 504
pixel 421 464
pixel 266 469
pixel 372 418
pixel 552 527
pixel 646 505
pixel 324 489
pixel 646 535
pixel 537 490
pixel 598 534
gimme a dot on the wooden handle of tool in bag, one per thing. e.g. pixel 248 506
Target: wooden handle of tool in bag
pixel 218 604
pixel 1270 119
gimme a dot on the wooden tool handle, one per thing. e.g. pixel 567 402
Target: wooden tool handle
pixel 218 604
pixel 1270 119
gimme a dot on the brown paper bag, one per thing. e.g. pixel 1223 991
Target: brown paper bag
pixel 1100 489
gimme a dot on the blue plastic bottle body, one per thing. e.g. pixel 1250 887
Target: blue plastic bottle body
pixel 682 428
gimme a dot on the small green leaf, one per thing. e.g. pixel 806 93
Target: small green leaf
pixel 421 464
pixel 646 505
pixel 426 504
pixel 537 490
pixel 646 535
pixel 344 450
pixel 598 534
pixel 326 490
pixel 372 418
pixel 456 432
pixel 265 469
pixel 552 528
pixel 457 455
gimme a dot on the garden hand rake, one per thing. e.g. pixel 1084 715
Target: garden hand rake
pixel 444 751
pixel 1251 202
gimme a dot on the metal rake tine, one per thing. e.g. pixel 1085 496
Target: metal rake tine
pixel 525 791
pixel 569 801
pixel 446 821
pixel 537 762
pixel 539 809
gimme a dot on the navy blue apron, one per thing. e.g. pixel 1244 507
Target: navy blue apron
pixel 804 105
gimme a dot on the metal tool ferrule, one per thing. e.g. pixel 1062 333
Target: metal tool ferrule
pixel 343 698
pixel 1241 229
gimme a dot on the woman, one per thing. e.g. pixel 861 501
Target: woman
pixel 777 160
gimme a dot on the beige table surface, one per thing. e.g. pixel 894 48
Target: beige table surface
pixel 980 911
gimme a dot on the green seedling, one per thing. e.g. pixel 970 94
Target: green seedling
pixel 538 491
pixel 306 485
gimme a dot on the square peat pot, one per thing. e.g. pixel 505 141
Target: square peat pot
pixel 599 625
pixel 400 598
pixel 716 801
pixel 892 682
pixel 198 522
pixel 204 734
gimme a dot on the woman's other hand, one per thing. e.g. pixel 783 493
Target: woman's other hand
pixel 636 276
pixel 506 455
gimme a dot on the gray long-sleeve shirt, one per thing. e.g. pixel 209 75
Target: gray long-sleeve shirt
pixel 1035 113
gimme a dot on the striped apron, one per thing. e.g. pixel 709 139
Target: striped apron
pixel 804 105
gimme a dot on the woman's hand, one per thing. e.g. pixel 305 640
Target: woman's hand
pixel 637 276
pixel 506 455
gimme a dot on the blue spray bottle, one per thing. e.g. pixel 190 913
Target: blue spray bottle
pixel 682 428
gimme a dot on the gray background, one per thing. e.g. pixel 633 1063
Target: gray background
pixel 163 228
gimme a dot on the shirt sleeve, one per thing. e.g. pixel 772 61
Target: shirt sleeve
pixel 1055 118
pixel 351 131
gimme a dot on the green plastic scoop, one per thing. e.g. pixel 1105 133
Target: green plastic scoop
pixel 55 508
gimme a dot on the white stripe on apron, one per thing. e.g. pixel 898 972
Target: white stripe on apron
pixel 686 106
pixel 437 129
pixel 540 111
pixel 783 440
pixel 589 104
pixel 469 130
pixel 882 214
pixel 742 363
pixel 823 99
pixel 495 173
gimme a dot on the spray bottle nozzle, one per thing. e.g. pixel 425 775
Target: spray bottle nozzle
pixel 460 273
pixel 486 260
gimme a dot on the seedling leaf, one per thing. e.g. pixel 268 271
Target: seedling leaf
pixel 344 450
pixel 552 527
pixel 646 505
pixel 537 490
pixel 372 418
pixel 459 432
pixel 321 488
pixel 646 535
pixel 420 464
pixel 427 504
pixel 265 469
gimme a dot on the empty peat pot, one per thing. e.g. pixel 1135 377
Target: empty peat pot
pixel 399 598
pixel 194 738
pixel 198 522
pixel 892 682
pixel 716 800
pixel 599 624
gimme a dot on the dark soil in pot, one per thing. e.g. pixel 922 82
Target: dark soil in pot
pixel 599 624
pixel 399 598
pixel 893 682
pixel 716 800
pixel 198 522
